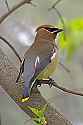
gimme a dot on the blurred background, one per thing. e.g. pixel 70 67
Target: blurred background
pixel 19 30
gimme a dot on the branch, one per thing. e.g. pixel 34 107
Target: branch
pixel 6 2
pixel 13 49
pixel 59 15
pixel 8 14
pixel 64 67
pixel 14 8
pixel 54 4
pixel 51 83
pixel 62 21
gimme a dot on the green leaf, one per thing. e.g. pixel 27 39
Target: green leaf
pixel 39 114
pixel 73 37
pixel 37 111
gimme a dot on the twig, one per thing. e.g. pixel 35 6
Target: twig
pixel 62 21
pixel 51 83
pixel 14 8
pixel 64 67
pixel 6 2
pixel 53 6
pixel 13 49
pixel 8 14
pixel 59 15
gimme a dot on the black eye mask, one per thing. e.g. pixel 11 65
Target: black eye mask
pixel 51 29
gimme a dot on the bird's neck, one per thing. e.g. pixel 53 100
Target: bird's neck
pixel 43 41
pixel 42 47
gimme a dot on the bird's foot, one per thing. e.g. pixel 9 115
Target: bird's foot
pixel 50 81
pixel 38 83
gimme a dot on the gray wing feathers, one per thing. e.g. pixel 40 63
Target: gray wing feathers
pixel 28 74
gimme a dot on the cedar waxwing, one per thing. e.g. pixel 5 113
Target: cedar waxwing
pixel 40 59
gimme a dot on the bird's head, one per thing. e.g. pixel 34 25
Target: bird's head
pixel 48 32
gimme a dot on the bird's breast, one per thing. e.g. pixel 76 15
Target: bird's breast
pixel 50 67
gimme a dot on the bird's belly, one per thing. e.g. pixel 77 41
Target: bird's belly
pixel 49 70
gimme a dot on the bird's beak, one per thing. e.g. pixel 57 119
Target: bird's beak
pixel 58 30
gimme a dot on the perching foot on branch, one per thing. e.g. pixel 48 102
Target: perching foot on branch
pixel 51 83
pixel 48 81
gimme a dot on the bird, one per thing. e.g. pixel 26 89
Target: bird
pixel 41 59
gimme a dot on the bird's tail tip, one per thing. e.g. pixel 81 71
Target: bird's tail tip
pixel 23 99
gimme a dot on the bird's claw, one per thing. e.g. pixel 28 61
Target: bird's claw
pixel 39 85
pixel 50 82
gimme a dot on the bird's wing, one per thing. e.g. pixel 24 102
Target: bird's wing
pixel 39 66
pixel 43 63
pixel 29 71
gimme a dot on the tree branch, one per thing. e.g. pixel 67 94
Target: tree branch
pixel 6 2
pixel 8 14
pixel 51 83
pixel 59 15
pixel 13 49
pixel 64 67
pixel 54 4
pixel 14 8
